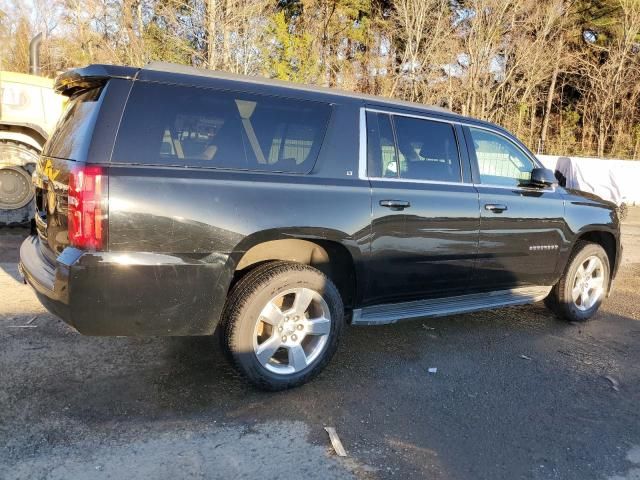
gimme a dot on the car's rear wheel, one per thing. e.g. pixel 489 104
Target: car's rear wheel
pixel 282 324
pixel 580 291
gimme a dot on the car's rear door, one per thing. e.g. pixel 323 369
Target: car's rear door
pixel 520 226
pixel 425 220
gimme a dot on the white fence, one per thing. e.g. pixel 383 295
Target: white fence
pixel 615 180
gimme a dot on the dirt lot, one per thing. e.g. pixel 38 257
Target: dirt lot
pixel 517 394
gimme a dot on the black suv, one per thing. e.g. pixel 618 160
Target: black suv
pixel 174 201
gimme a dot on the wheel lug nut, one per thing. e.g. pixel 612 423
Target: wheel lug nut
pixel 284 338
pixel 279 329
pixel 293 337
pixel 300 327
pixel 286 319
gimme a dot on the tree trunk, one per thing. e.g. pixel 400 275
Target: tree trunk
pixel 212 14
pixel 584 129
pixel 226 36
pixel 141 32
pixel 547 110
pixel 601 138
pixel 532 125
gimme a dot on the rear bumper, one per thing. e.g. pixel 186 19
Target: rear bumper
pixel 50 283
pixel 107 293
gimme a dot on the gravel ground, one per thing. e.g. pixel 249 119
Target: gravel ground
pixel 517 394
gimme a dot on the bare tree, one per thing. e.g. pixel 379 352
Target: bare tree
pixel 561 73
pixel 610 73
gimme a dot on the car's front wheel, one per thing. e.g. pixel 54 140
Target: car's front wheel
pixel 584 284
pixel 282 324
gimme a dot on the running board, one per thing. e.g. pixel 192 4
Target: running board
pixel 440 307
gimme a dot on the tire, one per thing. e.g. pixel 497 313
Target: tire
pixel 562 299
pixel 253 327
pixel 17 162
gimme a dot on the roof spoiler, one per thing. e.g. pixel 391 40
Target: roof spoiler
pixel 92 76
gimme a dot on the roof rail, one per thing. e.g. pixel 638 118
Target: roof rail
pixel 200 72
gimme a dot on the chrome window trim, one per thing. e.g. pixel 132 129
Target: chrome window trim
pixel 466 124
pixel 457 122
pixel 411 180
pixel 362 161
pixel 464 184
pixel 515 187
pixel 421 117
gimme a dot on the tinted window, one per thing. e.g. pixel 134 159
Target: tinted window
pixel 500 162
pixel 427 150
pixel 74 129
pixel 175 125
pixel 381 149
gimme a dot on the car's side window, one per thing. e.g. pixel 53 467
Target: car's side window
pixel 381 149
pixel 185 126
pixel 500 162
pixel 427 150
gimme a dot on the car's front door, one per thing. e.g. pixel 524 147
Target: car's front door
pixel 520 226
pixel 425 219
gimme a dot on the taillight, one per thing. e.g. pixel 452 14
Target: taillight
pixel 88 207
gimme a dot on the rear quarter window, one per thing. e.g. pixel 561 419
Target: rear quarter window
pixel 72 135
pixel 198 127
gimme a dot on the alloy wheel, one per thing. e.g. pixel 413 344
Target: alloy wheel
pixel 588 283
pixel 291 331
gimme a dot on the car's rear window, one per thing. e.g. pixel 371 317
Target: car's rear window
pixel 197 127
pixel 72 135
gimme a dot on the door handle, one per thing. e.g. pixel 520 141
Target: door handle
pixel 395 205
pixel 495 207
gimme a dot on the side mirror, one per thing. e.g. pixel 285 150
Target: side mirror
pixel 542 177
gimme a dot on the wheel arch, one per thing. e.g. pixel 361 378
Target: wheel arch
pixel 608 241
pixel 333 256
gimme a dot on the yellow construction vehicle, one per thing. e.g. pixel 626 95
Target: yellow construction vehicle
pixel 29 110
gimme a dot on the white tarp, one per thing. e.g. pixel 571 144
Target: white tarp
pixel 614 180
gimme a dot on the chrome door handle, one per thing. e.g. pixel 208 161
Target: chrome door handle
pixel 495 207
pixel 395 205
